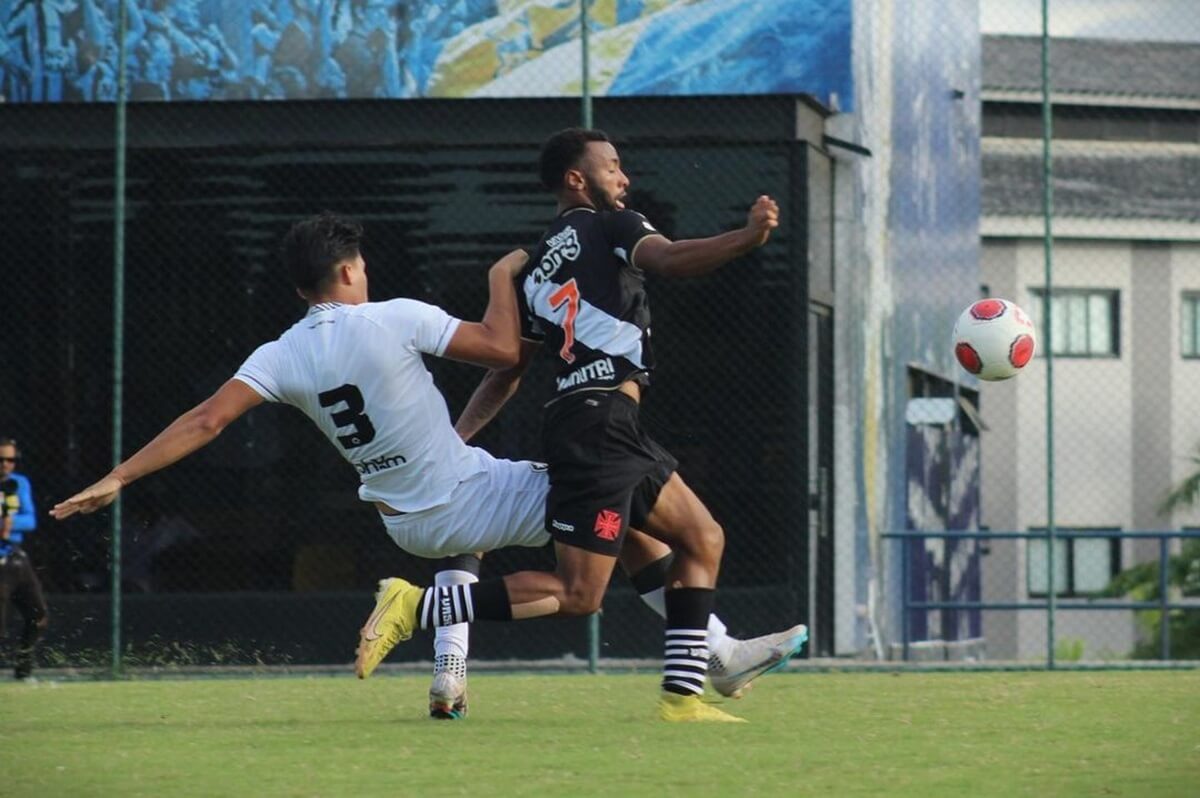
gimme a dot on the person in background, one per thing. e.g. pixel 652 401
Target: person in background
pixel 18 580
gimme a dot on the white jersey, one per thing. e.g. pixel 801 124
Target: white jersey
pixel 356 371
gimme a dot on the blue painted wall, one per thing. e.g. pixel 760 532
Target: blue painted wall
pixel 911 263
pixel 65 50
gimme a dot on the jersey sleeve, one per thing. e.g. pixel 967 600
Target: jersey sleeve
pixel 25 519
pixel 531 328
pixel 426 328
pixel 261 372
pixel 624 229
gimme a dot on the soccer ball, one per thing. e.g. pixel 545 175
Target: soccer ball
pixel 994 339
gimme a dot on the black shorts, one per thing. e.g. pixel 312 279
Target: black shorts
pixel 605 471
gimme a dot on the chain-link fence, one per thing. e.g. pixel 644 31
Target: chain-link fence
pixel 809 389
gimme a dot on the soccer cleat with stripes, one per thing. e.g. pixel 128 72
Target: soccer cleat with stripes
pixel 675 708
pixel 447 697
pixel 754 657
pixel 393 620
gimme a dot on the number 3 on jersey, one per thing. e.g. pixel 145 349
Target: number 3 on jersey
pixel 362 430
pixel 568 295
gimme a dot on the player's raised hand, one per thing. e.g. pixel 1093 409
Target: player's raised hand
pixel 762 219
pixel 102 494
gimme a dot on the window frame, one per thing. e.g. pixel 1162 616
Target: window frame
pixel 1070 591
pixel 1040 305
pixel 1189 297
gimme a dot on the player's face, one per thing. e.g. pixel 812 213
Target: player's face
pixel 8 460
pixel 605 183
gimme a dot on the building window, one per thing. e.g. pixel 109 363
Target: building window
pixel 1084 321
pixel 1082 566
pixel 1190 324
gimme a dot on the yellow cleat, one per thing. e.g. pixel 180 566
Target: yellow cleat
pixel 689 708
pixel 393 621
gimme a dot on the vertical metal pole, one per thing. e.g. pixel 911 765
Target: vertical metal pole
pixel 906 590
pixel 1048 315
pixel 1164 633
pixel 586 67
pixel 585 118
pixel 118 372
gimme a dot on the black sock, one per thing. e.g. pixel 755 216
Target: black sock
pixel 446 606
pixel 652 576
pixel 685 651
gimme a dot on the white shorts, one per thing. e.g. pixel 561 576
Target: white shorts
pixel 504 505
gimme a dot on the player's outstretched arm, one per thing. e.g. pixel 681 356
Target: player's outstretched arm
pixel 702 255
pixel 186 434
pixel 495 340
pixel 493 391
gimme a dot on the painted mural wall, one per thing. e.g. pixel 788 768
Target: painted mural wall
pixel 65 50
pixel 910 234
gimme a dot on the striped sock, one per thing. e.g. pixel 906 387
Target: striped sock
pixel 447 605
pixel 685 649
pixel 685 661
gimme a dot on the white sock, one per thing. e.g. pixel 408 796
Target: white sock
pixel 720 644
pixel 451 643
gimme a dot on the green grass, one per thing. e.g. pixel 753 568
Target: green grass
pixel 1003 734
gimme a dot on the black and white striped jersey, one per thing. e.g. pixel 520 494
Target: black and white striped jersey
pixel 582 295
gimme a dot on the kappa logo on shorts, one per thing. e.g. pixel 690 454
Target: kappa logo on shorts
pixel 562 526
pixel 608 524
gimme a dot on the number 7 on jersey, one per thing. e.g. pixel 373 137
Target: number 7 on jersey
pixel 568 294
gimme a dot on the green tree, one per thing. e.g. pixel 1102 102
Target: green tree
pixel 1141 583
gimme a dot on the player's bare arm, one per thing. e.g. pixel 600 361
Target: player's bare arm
pixel 191 431
pixel 495 340
pixel 696 256
pixel 493 391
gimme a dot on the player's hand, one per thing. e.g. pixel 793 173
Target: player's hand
pixel 762 219
pixel 100 495
pixel 511 264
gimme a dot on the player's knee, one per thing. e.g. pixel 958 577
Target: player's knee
pixel 581 598
pixel 708 542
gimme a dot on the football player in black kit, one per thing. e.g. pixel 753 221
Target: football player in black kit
pixel 582 294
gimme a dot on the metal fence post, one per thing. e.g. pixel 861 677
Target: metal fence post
pixel 1048 246
pixel 585 118
pixel 1164 634
pixel 118 369
pixel 905 578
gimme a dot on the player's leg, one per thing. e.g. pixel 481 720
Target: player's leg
pixel 27 597
pixel 680 519
pixel 502 506
pixel 6 586
pixel 587 519
pixel 448 691
pixel 732 664
pixel 647 561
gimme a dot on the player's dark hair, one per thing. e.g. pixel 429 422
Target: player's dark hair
pixel 562 151
pixel 314 246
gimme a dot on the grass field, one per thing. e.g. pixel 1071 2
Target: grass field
pixel 1003 734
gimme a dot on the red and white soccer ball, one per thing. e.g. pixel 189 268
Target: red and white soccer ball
pixel 994 339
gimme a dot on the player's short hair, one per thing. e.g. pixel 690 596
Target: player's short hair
pixel 562 151
pixel 314 246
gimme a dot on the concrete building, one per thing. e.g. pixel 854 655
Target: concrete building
pixel 1125 317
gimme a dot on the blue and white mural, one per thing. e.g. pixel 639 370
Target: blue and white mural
pixel 66 50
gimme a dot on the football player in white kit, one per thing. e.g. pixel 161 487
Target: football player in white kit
pixel 355 368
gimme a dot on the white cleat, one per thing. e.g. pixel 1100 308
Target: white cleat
pixel 754 657
pixel 447 697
